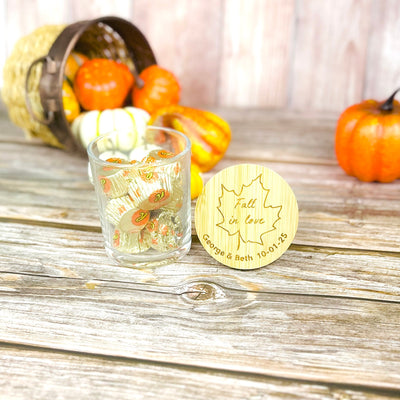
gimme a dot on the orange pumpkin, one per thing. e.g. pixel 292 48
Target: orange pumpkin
pixel 102 84
pixel 155 88
pixel 368 140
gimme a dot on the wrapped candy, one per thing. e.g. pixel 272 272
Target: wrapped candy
pixel 109 156
pixel 124 214
pixel 129 172
pixel 113 154
pixel 140 152
pixel 173 170
pixel 176 199
pixel 114 185
pixel 161 154
pixel 165 231
pixel 132 243
pixel 149 192
pixel 107 170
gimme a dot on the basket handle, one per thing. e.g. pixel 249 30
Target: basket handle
pixel 50 113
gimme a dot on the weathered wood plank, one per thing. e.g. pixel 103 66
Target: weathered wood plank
pixel 243 50
pixel 382 66
pixel 268 135
pixel 279 137
pixel 193 55
pixel 66 179
pixel 19 24
pixel 25 374
pixel 337 210
pixel 255 59
pixel 25 249
pixel 236 330
pixel 44 184
pixel 99 8
pixel 329 61
pixel 24 17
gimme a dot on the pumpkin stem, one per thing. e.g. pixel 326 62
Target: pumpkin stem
pixel 388 104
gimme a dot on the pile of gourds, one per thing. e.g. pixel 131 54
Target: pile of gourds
pixel 101 95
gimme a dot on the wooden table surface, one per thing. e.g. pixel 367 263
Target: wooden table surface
pixel 321 322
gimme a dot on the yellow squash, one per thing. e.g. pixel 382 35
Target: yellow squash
pixel 70 103
pixel 196 181
pixel 74 61
pixel 210 135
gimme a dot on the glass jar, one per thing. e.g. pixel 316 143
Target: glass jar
pixel 142 186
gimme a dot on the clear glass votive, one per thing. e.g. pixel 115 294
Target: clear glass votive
pixel 142 186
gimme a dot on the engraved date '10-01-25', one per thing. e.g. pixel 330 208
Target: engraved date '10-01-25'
pixel 273 246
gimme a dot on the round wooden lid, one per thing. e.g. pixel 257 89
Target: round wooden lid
pixel 246 216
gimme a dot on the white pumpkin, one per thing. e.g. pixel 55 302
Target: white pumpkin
pixel 129 122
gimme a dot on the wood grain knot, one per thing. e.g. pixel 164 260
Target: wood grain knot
pixel 201 291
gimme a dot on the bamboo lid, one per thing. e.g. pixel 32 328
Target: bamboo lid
pixel 246 216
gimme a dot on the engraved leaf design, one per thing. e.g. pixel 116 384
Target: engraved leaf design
pixel 247 213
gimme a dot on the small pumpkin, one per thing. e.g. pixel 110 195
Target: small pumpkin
pixel 155 88
pixel 367 140
pixel 70 103
pixel 209 134
pixel 131 122
pixel 102 84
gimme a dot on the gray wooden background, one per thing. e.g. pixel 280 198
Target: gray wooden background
pixel 307 55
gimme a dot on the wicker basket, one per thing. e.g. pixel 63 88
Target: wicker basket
pixel 34 72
